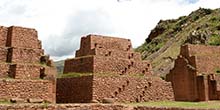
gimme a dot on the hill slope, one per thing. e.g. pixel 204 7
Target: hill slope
pixel 59 65
pixel 163 44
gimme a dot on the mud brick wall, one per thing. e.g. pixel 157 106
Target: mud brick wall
pixel 3 36
pixel 22 37
pixel 4 70
pixel 74 90
pixel 120 66
pixel 111 53
pixel 25 55
pixel 131 89
pixel 26 89
pixel 83 64
pixel 3 54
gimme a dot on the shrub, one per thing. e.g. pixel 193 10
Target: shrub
pixel 214 40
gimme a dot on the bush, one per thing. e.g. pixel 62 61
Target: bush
pixel 214 40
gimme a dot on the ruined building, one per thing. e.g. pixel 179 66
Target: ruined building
pixel 196 74
pixel 26 74
pixel 100 54
pixel 111 69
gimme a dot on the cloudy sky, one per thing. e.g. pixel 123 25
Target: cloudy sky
pixel 61 23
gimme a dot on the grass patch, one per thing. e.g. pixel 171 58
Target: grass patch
pixel 72 75
pixel 217 71
pixel 3 101
pixel 214 40
pixel 209 104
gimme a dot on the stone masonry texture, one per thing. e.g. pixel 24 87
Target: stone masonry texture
pixel 101 54
pixel 195 74
pixel 23 73
pixel 122 89
pixel 115 72
pixel 87 107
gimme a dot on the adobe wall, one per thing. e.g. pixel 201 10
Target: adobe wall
pixel 74 90
pixel 26 89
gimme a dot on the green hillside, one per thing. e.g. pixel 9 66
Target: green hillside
pixel 59 65
pixel 163 43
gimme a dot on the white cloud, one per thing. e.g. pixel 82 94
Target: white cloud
pixel 63 22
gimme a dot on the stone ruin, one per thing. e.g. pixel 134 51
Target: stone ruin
pixel 101 54
pixel 26 74
pixel 111 70
pixel 196 74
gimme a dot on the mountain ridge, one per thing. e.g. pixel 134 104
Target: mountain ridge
pixel 162 45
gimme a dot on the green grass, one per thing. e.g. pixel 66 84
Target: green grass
pixel 217 70
pixel 71 75
pixel 3 101
pixel 209 104
pixel 214 40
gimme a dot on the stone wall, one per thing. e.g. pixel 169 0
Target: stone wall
pixel 131 89
pixel 3 36
pixel 22 37
pixel 111 53
pixel 103 54
pixel 26 89
pixel 121 89
pixel 88 107
pixel 120 66
pixel 84 65
pixel 193 74
pixel 103 42
pixel 199 50
pixel 74 90
pixel 22 60
pixel 3 54
pixel 4 71
pixel 25 55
